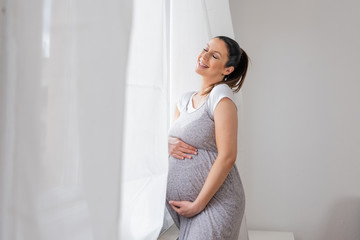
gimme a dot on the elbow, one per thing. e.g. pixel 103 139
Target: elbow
pixel 232 160
pixel 228 159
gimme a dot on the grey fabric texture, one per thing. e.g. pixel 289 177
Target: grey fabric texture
pixel 221 218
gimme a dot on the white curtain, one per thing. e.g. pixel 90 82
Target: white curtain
pixel 144 171
pixel 69 170
pixel 62 94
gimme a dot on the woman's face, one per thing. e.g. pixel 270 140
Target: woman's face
pixel 212 59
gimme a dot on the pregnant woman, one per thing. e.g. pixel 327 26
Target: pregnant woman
pixel 205 195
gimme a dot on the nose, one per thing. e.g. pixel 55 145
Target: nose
pixel 205 55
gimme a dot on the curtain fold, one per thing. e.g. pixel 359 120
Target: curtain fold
pixel 144 172
pixel 62 91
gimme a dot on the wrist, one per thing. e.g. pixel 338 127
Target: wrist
pixel 200 205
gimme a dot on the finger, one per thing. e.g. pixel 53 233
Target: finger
pixel 175 209
pixel 188 147
pixel 178 156
pixel 176 203
pixel 187 150
pixel 181 143
pixel 187 156
pixel 184 155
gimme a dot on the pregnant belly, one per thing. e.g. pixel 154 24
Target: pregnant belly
pixel 187 177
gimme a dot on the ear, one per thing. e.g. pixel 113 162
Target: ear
pixel 228 70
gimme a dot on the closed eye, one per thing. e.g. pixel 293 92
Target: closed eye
pixel 212 55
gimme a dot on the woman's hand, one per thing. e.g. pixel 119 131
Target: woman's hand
pixel 186 208
pixel 179 149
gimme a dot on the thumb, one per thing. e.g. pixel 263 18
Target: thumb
pixel 176 203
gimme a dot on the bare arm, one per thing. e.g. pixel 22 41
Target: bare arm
pixel 225 118
pixel 226 123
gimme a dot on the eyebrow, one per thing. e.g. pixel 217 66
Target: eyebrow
pixel 214 51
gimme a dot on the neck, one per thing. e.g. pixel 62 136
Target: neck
pixel 205 84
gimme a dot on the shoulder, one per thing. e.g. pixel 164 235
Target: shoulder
pixel 222 89
pixel 183 100
pixel 219 92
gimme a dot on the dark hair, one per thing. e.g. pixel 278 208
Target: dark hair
pixel 239 60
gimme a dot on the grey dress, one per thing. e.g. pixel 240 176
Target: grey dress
pixel 221 218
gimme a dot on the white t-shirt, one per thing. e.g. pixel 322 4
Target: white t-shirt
pixel 217 93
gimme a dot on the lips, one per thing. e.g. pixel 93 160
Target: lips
pixel 201 64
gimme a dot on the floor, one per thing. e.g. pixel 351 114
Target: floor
pixel 170 234
pixel 173 232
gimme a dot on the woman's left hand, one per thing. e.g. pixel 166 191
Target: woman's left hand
pixel 186 208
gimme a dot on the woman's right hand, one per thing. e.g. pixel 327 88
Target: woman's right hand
pixel 179 149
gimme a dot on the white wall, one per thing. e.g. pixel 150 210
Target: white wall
pixel 2 16
pixel 302 115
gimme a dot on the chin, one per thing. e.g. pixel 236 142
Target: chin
pixel 198 72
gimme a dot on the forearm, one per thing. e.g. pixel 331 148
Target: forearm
pixel 214 180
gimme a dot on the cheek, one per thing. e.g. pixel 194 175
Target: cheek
pixel 216 64
pixel 219 64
